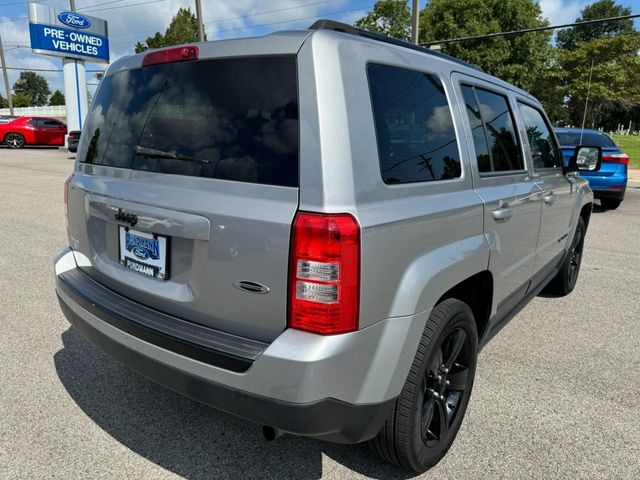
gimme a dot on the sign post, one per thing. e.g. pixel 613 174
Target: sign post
pixel 76 38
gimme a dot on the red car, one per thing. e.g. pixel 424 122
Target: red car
pixel 33 131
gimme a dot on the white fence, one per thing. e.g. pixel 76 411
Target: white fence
pixel 58 111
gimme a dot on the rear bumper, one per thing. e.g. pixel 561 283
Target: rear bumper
pixel 339 388
pixel 617 194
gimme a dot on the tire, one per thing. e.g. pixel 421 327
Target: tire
pixel 610 203
pixel 408 437
pixel 14 140
pixel 565 281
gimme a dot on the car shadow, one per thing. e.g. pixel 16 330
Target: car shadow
pixel 189 438
pixel 597 208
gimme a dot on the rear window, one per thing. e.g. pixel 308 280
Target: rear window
pixel 233 119
pixel 592 139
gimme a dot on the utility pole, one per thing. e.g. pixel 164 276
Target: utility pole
pixel 6 78
pixel 72 5
pixel 415 20
pixel 199 19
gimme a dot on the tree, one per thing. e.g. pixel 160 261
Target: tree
pixel 570 37
pixel 34 86
pixel 614 91
pixel 22 99
pixel 57 98
pixel 3 102
pixel 182 29
pixel 518 59
pixel 389 17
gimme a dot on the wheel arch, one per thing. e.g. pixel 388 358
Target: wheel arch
pixel 438 273
pixel 477 292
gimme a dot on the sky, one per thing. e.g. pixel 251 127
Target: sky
pixel 130 21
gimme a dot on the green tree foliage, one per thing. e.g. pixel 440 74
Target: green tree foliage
pixel 57 98
pixel 613 48
pixel 33 86
pixel 3 102
pixel 615 91
pixel 389 17
pixel 518 59
pixel 22 99
pixel 182 29
pixel 571 37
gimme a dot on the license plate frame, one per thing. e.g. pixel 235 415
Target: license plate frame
pixel 144 252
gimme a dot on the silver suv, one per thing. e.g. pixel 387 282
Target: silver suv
pixel 316 230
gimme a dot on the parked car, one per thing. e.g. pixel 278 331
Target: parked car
pixel 7 118
pixel 23 131
pixel 72 140
pixel 323 251
pixel 609 184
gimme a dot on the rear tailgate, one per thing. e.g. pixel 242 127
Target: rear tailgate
pixel 203 235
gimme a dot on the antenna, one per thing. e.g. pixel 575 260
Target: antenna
pixel 584 117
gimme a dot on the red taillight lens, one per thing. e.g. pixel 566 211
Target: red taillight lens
pixel 324 277
pixel 66 206
pixel 178 54
pixel 616 158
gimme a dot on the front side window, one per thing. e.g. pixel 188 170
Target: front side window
pixel 544 150
pixel 414 127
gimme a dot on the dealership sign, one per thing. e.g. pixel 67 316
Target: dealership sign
pixel 68 34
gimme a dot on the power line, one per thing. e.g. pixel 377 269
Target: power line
pixel 47 70
pixel 289 21
pixel 227 19
pixel 91 10
pixel 222 20
pixel 529 30
pixel 261 25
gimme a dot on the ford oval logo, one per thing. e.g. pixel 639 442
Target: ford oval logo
pixel 252 287
pixel 74 20
pixel 140 252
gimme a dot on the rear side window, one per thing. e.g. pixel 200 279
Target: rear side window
pixel 544 150
pixel 592 139
pixel 416 138
pixel 233 119
pixel 497 149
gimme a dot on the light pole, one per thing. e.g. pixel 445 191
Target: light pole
pixel 415 20
pixel 199 19
pixel 6 78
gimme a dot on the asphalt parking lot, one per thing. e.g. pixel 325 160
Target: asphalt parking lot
pixel 557 393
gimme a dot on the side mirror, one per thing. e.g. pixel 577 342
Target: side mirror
pixel 586 159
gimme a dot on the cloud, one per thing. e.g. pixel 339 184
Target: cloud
pixel 560 12
pixel 227 19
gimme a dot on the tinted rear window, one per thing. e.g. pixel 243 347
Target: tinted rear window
pixel 572 139
pixel 416 138
pixel 238 117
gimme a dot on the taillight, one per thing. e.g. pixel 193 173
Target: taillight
pixel 616 158
pixel 168 55
pixel 66 206
pixel 324 277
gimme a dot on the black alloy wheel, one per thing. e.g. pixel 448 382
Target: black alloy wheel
pixel 429 411
pixel 445 383
pixel 14 140
pixel 565 281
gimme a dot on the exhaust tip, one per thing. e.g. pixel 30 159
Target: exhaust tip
pixel 270 434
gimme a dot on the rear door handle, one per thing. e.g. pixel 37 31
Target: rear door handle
pixel 549 198
pixel 502 214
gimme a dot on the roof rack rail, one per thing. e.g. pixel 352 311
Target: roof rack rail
pixel 346 28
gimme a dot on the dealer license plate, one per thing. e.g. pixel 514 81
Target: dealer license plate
pixel 143 252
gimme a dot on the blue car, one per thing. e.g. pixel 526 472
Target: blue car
pixel 610 182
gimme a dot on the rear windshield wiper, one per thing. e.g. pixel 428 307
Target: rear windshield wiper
pixel 153 153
